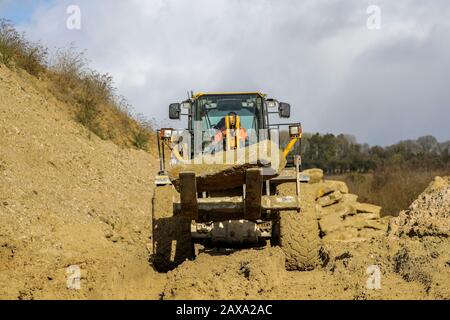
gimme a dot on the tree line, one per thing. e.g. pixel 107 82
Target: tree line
pixel 341 153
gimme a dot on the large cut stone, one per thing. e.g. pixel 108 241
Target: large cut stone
pixel 330 199
pixel 341 209
pixel 330 186
pixel 369 216
pixel 330 223
pixel 226 170
pixel 315 175
pixel 349 198
pixel 367 208
pixel 360 222
pixel 377 225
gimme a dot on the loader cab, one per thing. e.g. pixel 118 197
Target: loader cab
pixel 253 109
pixel 209 114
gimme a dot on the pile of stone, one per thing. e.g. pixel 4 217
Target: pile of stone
pixel 428 215
pixel 341 216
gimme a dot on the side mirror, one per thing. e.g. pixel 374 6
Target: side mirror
pixel 284 110
pixel 174 111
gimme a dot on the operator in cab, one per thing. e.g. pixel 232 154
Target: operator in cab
pixel 230 132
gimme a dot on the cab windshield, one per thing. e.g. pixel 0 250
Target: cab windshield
pixel 212 110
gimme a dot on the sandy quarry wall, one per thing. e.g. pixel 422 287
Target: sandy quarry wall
pixel 67 199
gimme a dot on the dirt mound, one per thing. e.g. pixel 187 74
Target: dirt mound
pixel 406 270
pixel 243 274
pixel 67 199
pixel 428 215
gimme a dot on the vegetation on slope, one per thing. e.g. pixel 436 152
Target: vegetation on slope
pixel 92 95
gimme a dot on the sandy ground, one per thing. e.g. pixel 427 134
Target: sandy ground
pixel 407 269
pixel 69 199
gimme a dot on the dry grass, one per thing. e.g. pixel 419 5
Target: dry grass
pixel 92 95
pixel 98 107
pixel 16 50
pixel 393 189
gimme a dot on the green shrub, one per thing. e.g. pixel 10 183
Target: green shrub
pixel 32 59
pixel 143 133
pixel 68 68
pixel 141 139
pixel 10 42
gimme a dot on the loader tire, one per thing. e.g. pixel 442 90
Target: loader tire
pixel 171 236
pixel 300 240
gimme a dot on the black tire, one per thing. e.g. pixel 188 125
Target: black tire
pixel 299 237
pixel 171 236
pixel 300 240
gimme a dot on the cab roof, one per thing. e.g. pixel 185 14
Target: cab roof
pixel 200 94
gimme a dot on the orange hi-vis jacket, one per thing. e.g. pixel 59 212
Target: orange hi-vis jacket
pixel 239 134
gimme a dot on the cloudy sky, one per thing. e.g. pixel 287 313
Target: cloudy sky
pixel 381 85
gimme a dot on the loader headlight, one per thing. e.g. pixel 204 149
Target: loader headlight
pixel 295 131
pixel 166 133
pixel 272 103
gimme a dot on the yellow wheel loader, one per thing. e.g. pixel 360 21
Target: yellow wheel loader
pixel 232 208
